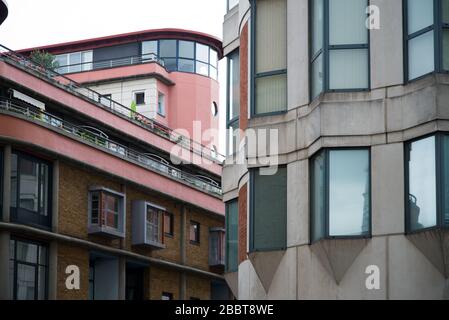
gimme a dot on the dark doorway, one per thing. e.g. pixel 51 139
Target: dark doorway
pixel 134 282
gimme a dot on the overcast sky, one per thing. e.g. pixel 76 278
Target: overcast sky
pixel 33 23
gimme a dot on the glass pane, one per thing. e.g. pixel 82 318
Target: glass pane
pixel 420 15
pixel 202 52
pixel 27 252
pixel 347 22
pixel 446 179
pixel 14 173
pixel 62 60
pixel 11 279
pixel 271 94
pixel 317 26
pixel 26 281
pixel 202 68
pixel 43 257
pixel 317 76
pixel 349 192
pixel 446 11
pixel 446 49
pixel 168 223
pixel 233 137
pixel 186 49
pixel 232 219
pixel 167 48
pixel 421 58
pixel 269 214
pixel 213 73
pixel 75 60
pixel 29 186
pixel 348 69
pixel 186 65
pixel 12 245
pixel 422 184
pixel 44 190
pixel 170 64
pixel 318 197
pixel 149 49
pixel 213 58
pixel 87 58
pixel 271 35
pixel 234 86
pixel 42 283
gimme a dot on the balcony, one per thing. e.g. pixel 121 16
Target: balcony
pixel 96 98
pixel 99 140
pixel 147 225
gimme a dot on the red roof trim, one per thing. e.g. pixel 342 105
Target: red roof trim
pixel 170 33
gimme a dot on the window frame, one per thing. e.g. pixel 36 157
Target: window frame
pixel 439 181
pixel 230 122
pixel 99 227
pixel 252 248
pixel 254 76
pixel 161 111
pixel 36 265
pixel 135 93
pixel 437 27
pixel 198 240
pixel 327 235
pixel 327 48
pixel 43 222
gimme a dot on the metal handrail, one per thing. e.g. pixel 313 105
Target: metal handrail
pixel 120 150
pixel 149 124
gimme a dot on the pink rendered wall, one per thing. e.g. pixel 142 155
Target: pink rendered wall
pixel 190 100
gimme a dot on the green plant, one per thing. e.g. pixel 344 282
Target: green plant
pixel 44 59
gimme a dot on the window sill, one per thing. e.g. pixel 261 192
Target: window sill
pixel 195 243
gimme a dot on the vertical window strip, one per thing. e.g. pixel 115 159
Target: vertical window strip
pixel 269 56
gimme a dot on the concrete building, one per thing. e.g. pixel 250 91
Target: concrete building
pixel 358 206
pixel 96 186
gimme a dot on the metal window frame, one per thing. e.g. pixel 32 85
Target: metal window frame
pixel 21 155
pixel 327 236
pixel 325 50
pixel 36 267
pixel 227 226
pixel 254 76
pixel 252 248
pixel 439 181
pixel 437 27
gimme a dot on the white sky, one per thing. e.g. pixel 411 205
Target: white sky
pixel 33 23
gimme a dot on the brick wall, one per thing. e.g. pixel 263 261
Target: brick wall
pixel 163 280
pixel 198 287
pixel 70 255
pixel 243 223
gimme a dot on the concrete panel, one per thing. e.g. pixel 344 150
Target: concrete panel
pixel 265 265
pixel 415 108
pixel 298 203
pixel 231 28
pixel 411 274
pixel 250 287
pixel 387 188
pixel 297 53
pixel 283 286
pixel 352 118
pixel 386 45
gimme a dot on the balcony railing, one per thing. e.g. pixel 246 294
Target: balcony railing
pixel 109 63
pixel 81 132
pixel 117 108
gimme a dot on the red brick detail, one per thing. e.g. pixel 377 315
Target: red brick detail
pixel 244 78
pixel 243 224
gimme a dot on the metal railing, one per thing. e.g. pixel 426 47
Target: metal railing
pixel 81 132
pixel 149 124
pixel 110 63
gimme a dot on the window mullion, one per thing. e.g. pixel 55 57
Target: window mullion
pixel 326 194
pixel 326 63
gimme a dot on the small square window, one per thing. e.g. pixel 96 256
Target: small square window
pixel 194 232
pixel 139 97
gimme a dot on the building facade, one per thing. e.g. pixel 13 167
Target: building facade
pixel 100 197
pixel 357 93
